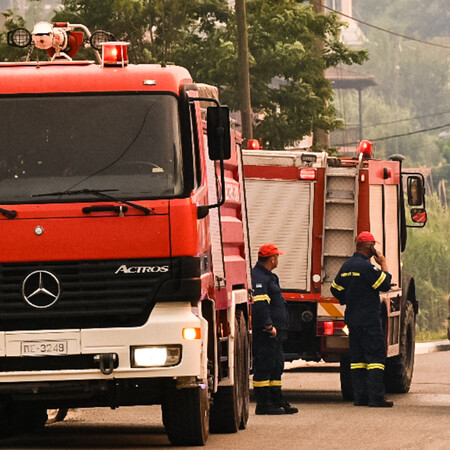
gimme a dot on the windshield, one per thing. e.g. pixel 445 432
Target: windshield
pixel 128 143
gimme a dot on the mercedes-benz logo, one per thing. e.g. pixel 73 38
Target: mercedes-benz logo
pixel 41 289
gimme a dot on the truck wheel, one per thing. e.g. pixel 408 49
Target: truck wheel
pixel 244 372
pixel 27 417
pixel 227 407
pixel 346 379
pixel 6 422
pixel 185 415
pixel 56 415
pixel 399 369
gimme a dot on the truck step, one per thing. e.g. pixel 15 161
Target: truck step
pixel 343 201
pixel 336 228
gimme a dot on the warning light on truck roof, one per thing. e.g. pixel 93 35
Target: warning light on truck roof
pixel 253 144
pixel 365 147
pixel 114 53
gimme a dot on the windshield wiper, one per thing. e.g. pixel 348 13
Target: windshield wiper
pixel 9 213
pixel 97 193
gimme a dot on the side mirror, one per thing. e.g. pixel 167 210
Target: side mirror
pixel 415 190
pixel 419 215
pixel 218 128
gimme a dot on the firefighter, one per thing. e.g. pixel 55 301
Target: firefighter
pixel 270 322
pixel 357 285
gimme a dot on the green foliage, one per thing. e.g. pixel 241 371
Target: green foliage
pixel 127 20
pixel 8 53
pixel 441 182
pixel 284 41
pixel 380 120
pixel 412 77
pixel 201 35
pixel 444 150
pixel 410 74
pixel 427 258
pixel 415 18
pixel 158 30
pixel 290 47
pixel 423 336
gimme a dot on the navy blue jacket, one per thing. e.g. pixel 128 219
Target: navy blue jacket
pixel 357 285
pixel 269 306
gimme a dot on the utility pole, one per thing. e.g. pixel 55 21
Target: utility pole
pixel 243 71
pixel 321 138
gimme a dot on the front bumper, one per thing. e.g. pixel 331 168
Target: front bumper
pixel 164 327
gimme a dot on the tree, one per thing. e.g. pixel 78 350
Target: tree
pixel 410 17
pixel 288 88
pixel 412 74
pixel 382 120
pixel 201 35
pixel 8 53
pixel 156 29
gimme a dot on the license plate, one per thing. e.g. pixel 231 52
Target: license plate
pixel 43 348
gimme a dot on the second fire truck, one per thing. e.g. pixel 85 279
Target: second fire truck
pixel 312 206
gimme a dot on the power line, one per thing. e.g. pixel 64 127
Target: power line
pixel 406 120
pixel 384 29
pixel 385 138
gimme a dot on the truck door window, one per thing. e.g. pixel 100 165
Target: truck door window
pixel 195 147
pixel 127 142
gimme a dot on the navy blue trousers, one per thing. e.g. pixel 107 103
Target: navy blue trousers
pixel 268 360
pixel 367 358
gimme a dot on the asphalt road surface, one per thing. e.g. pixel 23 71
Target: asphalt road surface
pixel 419 419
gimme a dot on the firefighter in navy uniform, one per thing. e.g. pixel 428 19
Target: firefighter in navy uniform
pixel 269 323
pixel 357 285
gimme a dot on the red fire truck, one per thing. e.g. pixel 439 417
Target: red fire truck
pixel 312 206
pixel 124 269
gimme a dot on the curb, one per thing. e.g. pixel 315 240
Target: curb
pixel 431 347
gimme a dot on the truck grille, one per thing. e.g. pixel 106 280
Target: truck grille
pixel 92 295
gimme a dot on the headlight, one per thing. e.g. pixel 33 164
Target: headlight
pixel 155 356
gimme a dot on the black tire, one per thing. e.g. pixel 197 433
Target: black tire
pixel 6 420
pixel 186 415
pixel 244 373
pixel 346 379
pixel 399 369
pixel 228 404
pixel 27 417
pixel 56 415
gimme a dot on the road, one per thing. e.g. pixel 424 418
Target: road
pixel 419 420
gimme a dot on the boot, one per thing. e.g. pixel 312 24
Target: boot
pixel 263 404
pixel 277 399
pixel 382 404
pixel 359 384
pixel 376 389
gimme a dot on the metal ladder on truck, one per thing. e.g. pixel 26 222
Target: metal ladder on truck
pixel 340 221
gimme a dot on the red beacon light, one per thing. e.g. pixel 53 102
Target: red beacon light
pixel 365 147
pixel 253 144
pixel 114 53
pixel 307 174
